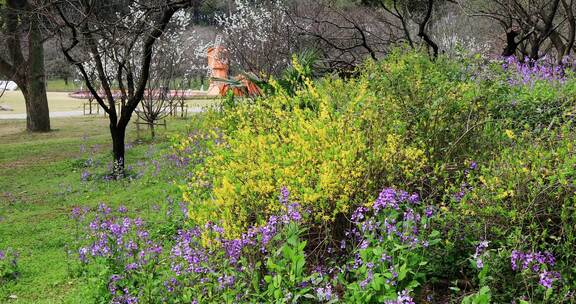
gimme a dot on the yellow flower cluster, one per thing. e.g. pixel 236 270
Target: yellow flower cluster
pixel 326 157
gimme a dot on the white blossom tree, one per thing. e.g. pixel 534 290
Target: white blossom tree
pixel 112 44
pixel 259 36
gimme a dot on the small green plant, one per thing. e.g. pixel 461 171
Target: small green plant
pixel 8 265
pixel 483 296
pixel 287 270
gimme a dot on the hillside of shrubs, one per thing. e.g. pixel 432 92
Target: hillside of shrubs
pixel 414 181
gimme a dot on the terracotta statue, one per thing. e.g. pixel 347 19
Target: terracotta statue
pixel 218 63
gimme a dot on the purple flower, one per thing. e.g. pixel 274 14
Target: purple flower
pixel 112 283
pixel 386 199
pixel 324 293
pixel 458 196
pixel 82 253
pixel 214 228
pixel 429 211
pixel 385 258
pixel 171 284
pixel 138 222
pixel 78 213
pixel 358 214
pixel 284 195
pixel 85 176
pixel 547 278
pixel 480 249
pixel 226 281
pixel 529 71
pixel 404 298
pixel 414 199
pixel 535 262
pixel 233 249
pixel 103 209
pixel 514 258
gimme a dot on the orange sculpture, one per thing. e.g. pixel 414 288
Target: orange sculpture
pixel 218 63
pixel 219 68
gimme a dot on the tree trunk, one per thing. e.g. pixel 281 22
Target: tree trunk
pixel 28 74
pixel 152 130
pixel 118 137
pixel 422 30
pixel 535 50
pixel 38 118
pixel 511 44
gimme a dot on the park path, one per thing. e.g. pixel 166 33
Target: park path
pixel 20 116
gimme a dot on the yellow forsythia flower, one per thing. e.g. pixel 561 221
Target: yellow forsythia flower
pixel 510 134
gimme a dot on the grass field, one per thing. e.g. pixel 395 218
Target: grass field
pixel 61 102
pixel 57 102
pixel 40 182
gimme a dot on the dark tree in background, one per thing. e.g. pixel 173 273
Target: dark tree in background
pixel 418 14
pixel 347 32
pixel 532 28
pixel 111 43
pixel 22 58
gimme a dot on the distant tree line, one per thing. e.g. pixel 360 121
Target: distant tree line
pixel 346 32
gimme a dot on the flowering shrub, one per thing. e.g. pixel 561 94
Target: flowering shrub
pixel 254 30
pixel 393 237
pixel 294 149
pixel 523 199
pixel 8 265
pixel 383 139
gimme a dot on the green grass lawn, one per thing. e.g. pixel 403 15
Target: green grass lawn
pixel 40 182
pixel 58 85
